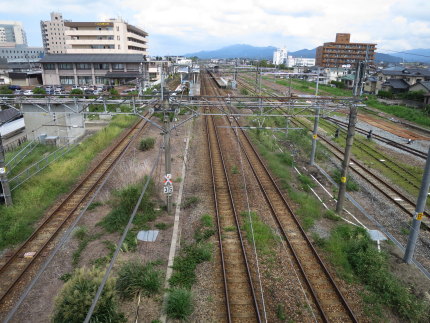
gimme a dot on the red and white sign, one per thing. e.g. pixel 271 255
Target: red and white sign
pixel 167 179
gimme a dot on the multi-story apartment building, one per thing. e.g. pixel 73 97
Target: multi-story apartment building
pixel 280 56
pixel 108 37
pixel 53 36
pixel 12 33
pixel 21 54
pixel 343 53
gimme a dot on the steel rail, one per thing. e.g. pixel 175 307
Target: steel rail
pixel 233 312
pixel 58 218
pixel 323 300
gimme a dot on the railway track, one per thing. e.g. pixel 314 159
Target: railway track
pixel 385 188
pixel 397 197
pixel 401 172
pixel 18 268
pixel 387 141
pixel 240 297
pixel 328 302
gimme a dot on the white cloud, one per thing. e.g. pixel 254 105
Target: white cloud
pixel 307 23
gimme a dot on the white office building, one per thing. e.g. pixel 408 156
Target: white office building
pixel 280 56
pixel 299 61
pixel 12 33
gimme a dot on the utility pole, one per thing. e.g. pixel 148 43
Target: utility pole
pixel 349 140
pixel 3 177
pixel 419 213
pixel 168 189
pixel 315 131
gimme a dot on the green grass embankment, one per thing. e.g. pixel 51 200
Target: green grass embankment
pixel 33 198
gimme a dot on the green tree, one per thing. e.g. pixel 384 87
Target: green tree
pixel 5 90
pixel 39 90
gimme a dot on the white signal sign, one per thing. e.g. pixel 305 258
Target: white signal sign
pixel 2 170
pixel 168 189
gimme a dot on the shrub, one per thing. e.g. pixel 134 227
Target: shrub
pixel 134 277
pixel 190 201
pixel 39 90
pixel 5 90
pixel 352 250
pixel 76 92
pixel 338 84
pixel 76 296
pixel 385 94
pixel 179 304
pixel 147 143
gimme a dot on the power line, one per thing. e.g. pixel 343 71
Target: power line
pixel 403 52
pixel 118 247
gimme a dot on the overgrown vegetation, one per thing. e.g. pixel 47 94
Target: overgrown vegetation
pixel 179 304
pixel 134 278
pixel 358 260
pixel 419 116
pixel 263 235
pixel 190 202
pixel 351 184
pixel 75 298
pixel 147 144
pixel 36 195
pixel 179 301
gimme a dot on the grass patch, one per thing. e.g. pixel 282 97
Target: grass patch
pixel 190 202
pixel 331 215
pixel 351 184
pixel 306 181
pixel 417 116
pixel 235 170
pixel 93 205
pixel 179 304
pixel 264 237
pixel 205 230
pixel 162 226
pixel 230 228
pixel 147 144
pixel 185 264
pixel 280 312
pixel 40 192
pixel 357 259
pixel 123 203
pixel 84 239
pixel 134 277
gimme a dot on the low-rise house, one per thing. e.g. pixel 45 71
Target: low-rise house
pixel 420 86
pixel 395 86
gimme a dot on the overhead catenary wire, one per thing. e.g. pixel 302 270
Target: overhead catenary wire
pixel 118 247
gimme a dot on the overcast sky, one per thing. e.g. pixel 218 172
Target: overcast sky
pixel 184 26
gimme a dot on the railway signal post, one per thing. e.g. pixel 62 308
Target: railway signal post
pixel 3 177
pixel 419 211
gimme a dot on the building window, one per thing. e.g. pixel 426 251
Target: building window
pixel 117 28
pixel 67 80
pixel 65 66
pixel 118 66
pixel 101 80
pixel 83 66
pixel 117 38
pixel 101 66
pixel 85 80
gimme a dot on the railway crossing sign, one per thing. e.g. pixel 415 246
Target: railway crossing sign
pixel 167 179
pixel 168 185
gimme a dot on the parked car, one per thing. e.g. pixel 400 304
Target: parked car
pixel 28 92
pixel 14 87
pixel 18 92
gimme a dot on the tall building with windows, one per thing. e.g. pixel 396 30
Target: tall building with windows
pixel 108 37
pixel 343 53
pixel 53 36
pixel 12 33
pixel 280 56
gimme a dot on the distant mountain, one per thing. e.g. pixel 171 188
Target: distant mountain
pixel 304 53
pixel 414 55
pixel 237 51
pixel 379 57
pixel 252 52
